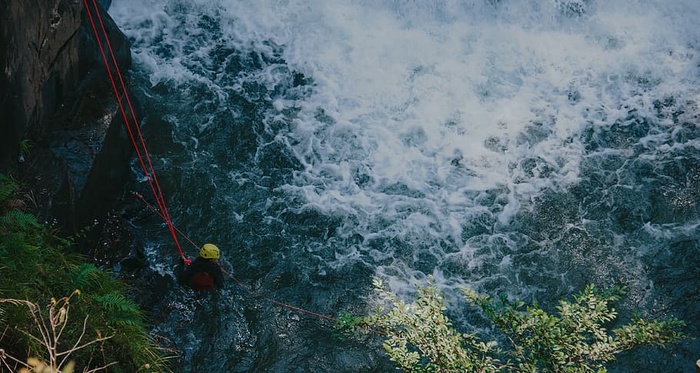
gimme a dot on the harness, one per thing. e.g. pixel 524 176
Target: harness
pixel 201 281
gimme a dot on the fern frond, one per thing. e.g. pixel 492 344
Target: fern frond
pixel 83 275
pixel 19 220
pixel 7 187
pixel 119 309
pixel 116 302
pixel 18 253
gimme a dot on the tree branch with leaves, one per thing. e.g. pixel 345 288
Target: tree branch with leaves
pixel 421 338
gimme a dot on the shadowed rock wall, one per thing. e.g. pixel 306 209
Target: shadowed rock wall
pixel 54 92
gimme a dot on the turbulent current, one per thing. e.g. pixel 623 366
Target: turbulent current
pixel 518 147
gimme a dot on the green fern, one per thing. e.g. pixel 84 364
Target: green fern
pixel 19 220
pixel 120 310
pixel 84 275
pixel 7 187
pixel 18 250
pixel 77 236
pixel 36 263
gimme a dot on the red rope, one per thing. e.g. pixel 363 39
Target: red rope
pixel 141 151
pixel 152 208
pixel 298 309
pixel 255 293
pixel 147 165
pixel 246 287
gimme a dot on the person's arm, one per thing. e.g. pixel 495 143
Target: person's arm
pixel 182 272
pixel 218 274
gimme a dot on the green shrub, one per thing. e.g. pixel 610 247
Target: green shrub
pixel 7 187
pixel 420 338
pixel 36 266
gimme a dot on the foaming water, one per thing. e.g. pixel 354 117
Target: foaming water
pixel 519 147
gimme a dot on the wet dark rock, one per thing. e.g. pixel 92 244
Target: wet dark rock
pixel 54 92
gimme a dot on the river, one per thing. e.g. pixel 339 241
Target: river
pixel 517 147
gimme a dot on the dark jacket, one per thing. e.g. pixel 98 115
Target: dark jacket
pixel 202 274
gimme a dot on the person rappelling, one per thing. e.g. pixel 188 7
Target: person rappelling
pixel 205 272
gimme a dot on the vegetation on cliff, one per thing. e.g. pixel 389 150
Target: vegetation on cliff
pixel 420 338
pixel 55 308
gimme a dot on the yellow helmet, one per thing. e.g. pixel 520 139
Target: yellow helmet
pixel 209 251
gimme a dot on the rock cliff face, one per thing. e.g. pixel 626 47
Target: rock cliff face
pixel 55 93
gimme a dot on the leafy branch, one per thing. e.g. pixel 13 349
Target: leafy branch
pixel 421 338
